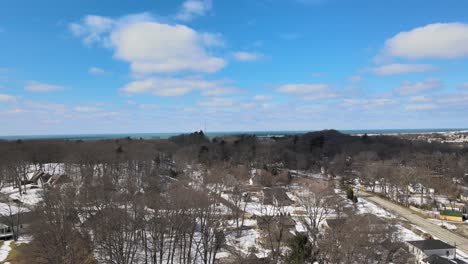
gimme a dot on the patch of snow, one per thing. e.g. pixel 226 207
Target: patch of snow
pixel 5 250
pixel 366 207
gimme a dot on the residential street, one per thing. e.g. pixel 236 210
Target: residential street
pixel 424 224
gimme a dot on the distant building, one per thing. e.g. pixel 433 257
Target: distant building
pixel 451 215
pixel 464 196
pixel 5 232
pixel 423 249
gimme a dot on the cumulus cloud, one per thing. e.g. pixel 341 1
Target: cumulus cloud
pixel 160 48
pixel 440 40
pixel 398 68
pixel 411 88
pixel 96 71
pixel 191 9
pixel 150 46
pixel 38 87
pixel 177 87
pixel 216 102
pixel 5 98
pixel 246 56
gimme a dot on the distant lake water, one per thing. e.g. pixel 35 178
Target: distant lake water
pixel 216 134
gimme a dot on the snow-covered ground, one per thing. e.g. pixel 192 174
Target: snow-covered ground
pixel 5 250
pixel 249 239
pixel 366 207
pixel 31 194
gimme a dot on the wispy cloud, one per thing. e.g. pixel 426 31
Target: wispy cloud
pixel 97 71
pixel 247 56
pixel 309 91
pixel 411 88
pixel 178 87
pixel 191 9
pixel 419 107
pixel 38 87
pixel 216 102
pixel 398 68
pixel 5 98
pixel 261 97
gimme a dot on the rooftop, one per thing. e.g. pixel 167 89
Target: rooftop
pixel 430 244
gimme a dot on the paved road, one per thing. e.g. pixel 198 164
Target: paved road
pixel 424 224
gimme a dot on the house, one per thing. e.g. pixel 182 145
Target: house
pixel 5 232
pixel 8 223
pixel 39 177
pixel 58 179
pixel 434 259
pixel 276 196
pixel 451 215
pixel 464 196
pixel 423 249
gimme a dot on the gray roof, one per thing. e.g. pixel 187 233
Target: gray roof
pixel 430 244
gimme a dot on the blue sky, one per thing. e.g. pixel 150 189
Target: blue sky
pixel 176 66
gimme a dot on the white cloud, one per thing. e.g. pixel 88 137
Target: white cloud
pixel 368 103
pixel 261 97
pixel 150 46
pixel 301 88
pixel 17 111
pixel 38 87
pixel 148 106
pixel 440 40
pixel 460 99
pixel 220 91
pixel 5 98
pixel 246 56
pixel 193 8
pixel 309 91
pixel 321 96
pixel 419 98
pixel 92 28
pixel 409 88
pixel 97 71
pixel 177 87
pixel 398 68
pixel 87 109
pixel 216 102
pixel 464 86
pixel 421 107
